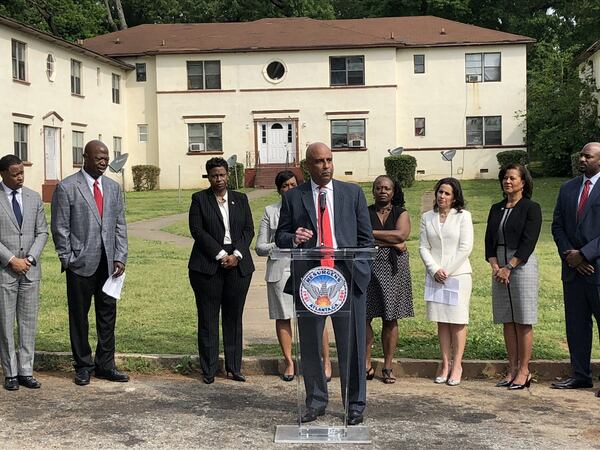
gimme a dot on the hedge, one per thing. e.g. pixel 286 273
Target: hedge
pixel 305 171
pixel 145 177
pixel 240 176
pixel 575 164
pixel 401 168
pixel 512 157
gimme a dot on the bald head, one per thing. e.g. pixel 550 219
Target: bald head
pixel 589 159
pixel 95 158
pixel 319 162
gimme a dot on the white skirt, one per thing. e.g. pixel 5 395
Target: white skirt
pixel 458 314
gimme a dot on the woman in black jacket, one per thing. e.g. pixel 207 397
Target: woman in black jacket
pixel 513 228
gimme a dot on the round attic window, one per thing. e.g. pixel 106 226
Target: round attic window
pixel 275 71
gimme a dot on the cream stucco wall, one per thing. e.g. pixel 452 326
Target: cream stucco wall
pixel 42 96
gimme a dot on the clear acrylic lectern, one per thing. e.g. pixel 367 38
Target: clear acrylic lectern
pixel 320 289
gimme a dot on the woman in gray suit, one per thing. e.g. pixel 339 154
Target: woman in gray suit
pixel 281 306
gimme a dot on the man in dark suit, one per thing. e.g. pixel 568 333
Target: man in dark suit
pixel 220 269
pixel 23 235
pixel 90 236
pixel 576 231
pixel 351 227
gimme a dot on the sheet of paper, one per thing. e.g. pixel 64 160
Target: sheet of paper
pixel 446 293
pixel 113 286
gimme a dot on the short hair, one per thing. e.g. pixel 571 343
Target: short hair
pixel 9 160
pixel 459 200
pixel 282 177
pixel 217 161
pixel 398 197
pixel 523 173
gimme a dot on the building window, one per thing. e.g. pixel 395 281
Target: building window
pixel 347 70
pixel 77 148
pixel 419 126
pixel 19 54
pixel 482 67
pixel 116 88
pixel 21 138
pixel 289 133
pixel 75 77
pixel 205 137
pixel 116 146
pixel 98 76
pixel 143 133
pixel 275 71
pixel 484 130
pixel 348 133
pixel 140 71
pixel 419 63
pixel 204 74
pixel 50 64
pixel 263 133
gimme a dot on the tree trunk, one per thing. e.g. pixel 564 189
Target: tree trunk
pixel 46 14
pixel 111 22
pixel 122 21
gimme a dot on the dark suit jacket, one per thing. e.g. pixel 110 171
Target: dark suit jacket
pixel 522 228
pixel 351 222
pixel 208 231
pixel 569 234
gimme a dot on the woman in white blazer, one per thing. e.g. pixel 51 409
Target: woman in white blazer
pixel 281 305
pixel 446 241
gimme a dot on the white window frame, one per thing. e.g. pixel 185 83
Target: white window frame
pixel 77 146
pixel 21 140
pixel 19 60
pixel 76 78
pixel 420 124
pixel 142 134
pixel 50 67
pixel 117 146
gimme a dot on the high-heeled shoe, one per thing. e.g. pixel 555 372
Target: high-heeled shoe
pixel 454 382
pixel 236 376
pixel 515 386
pixel 388 376
pixel 440 380
pixel 370 373
pixel 504 383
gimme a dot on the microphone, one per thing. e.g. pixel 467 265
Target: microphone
pixel 322 201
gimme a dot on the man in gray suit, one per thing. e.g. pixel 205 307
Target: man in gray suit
pixel 90 236
pixel 350 225
pixel 23 235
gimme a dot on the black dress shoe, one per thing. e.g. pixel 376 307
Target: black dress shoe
pixel 598 394
pixel 29 382
pixel 112 375
pixel 354 418
pixel 82 377
pixel 208 379
pixel 11 384
pixel 311 415
pixel 236 376
pixel 287 377
pixel 572 383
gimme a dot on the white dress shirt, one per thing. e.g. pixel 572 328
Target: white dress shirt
pixel 594 180
pixel 19 196
pixel 329 191
pixel 91 180
pixel 224 208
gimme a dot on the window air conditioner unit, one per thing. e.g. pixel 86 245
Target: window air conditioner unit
pixel 470 78
pixel 357 143
pixel 197 147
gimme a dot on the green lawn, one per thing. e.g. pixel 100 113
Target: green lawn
pixel 158 314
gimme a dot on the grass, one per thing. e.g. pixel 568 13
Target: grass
pixel 158 313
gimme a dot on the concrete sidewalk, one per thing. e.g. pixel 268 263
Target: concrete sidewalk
pixel 182 412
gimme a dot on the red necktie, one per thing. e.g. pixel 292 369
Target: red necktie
pixel 326 237
pixel 98 198
pixel 583 199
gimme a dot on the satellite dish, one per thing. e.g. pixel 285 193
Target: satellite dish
pixel 395 151
pixel 117 164
pixel 448 155
pixel 232 160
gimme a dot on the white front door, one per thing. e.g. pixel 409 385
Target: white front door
pixel 52 152
pixel 276 142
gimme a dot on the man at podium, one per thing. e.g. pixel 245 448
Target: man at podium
pixel 329 213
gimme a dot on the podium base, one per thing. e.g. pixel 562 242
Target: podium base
pixel 293 434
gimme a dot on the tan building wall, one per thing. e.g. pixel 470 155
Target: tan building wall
pixel 42 102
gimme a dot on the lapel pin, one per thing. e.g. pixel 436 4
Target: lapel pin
pixel 233 203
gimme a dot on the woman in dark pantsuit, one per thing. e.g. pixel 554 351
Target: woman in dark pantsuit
pixel 220 269
pixel 513 228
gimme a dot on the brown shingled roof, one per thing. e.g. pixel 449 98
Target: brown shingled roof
pixel 296 34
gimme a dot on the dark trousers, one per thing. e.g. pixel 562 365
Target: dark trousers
pixel 226 292
pixel 582 301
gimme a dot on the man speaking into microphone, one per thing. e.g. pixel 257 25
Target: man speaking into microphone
pixel 329 213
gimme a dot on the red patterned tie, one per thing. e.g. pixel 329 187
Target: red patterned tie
pixel 583 199
pixel 98 198
pixel 326 238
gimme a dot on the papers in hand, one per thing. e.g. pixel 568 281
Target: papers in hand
pixel 446 293
pixel 113 286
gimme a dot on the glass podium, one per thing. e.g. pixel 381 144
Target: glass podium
pixel 321 282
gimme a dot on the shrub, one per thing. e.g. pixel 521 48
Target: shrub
pixel 145 177
pixel 575 164
pixel 240 176
pixel 512 157
pixel 305 172
pixel 401 168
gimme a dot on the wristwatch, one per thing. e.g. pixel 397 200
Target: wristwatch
pixel 509 266
pixel 31 260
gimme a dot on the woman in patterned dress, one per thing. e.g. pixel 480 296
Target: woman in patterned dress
pixel 389 294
